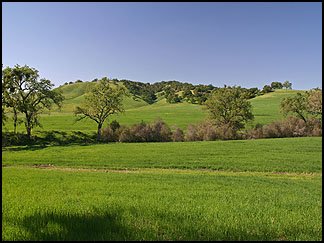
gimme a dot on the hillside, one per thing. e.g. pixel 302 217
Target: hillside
pixel 266 108
pixel 74 95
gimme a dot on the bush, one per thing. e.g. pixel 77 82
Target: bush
pixel 207 131
pixel 125 135
pixel 158 131
pixel 161 131
pixel 227 132
pixel 177 135
pixel 290 127
pixel 141 132
pixel 192 133
pixel 111 133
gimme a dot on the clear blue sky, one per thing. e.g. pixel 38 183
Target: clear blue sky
pixel 247 44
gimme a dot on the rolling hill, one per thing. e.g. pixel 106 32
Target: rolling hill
pixel 265 109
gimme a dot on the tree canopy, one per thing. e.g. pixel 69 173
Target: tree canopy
pixel 229 106
pixel 101 101
pixel 304 105
pixel 25 93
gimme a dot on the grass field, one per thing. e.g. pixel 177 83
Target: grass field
pixel 301 155
pixel 267 189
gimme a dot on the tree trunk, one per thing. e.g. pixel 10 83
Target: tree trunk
pixel 15 118
pixel 28 126
pixel 28 131
pixel 99 131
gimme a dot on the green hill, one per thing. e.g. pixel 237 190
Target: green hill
pixel 266 108
pixel 74 96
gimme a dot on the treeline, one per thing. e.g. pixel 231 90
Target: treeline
pixel 176 92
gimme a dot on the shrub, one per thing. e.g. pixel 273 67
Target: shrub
pixel 192 133
pixel 161 132
pixel 111 133
pixel 141 132
pixel 227 132
pixel 290 127
pixel 125 135
pixel 177 135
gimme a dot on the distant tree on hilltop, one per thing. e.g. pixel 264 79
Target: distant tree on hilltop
pixel 287 84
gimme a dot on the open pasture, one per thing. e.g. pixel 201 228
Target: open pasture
pixel 267 189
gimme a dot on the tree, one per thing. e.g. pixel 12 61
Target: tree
pixel 3 106
pixel 276 85
pixel 28 95
pixel 101 102
pixel 229 106
pixel 10 96
pixel 287 85
pixel 314 105
pixel 266 89
pixel 296 105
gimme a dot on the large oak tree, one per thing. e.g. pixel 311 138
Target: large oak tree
pixel 229 106
pixel 25 93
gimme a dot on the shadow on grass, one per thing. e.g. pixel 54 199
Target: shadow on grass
pixel 110 226
pixel 44 139
pixel 58 226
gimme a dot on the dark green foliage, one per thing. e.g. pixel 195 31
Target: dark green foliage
pixel 304 106
pixel 196 94
pixel 266 89
pixel 149 96
pixel 296 105
pixel 25 93
pixel 229 107
pixel 287 85
pixel 276 85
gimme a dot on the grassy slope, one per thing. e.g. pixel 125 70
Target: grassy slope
pixel 265 109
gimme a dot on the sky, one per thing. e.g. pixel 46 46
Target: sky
pixel 246 44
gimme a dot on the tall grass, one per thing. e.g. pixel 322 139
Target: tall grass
pixel 162 205
pixel 281 155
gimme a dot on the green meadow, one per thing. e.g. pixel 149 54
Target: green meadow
pixel 266 189
pixel 263 155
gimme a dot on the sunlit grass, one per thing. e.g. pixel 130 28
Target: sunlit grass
pixel 40 204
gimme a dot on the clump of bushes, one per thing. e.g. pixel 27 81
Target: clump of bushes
pixel 158 131
pixel 208 131
pixel 290 127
